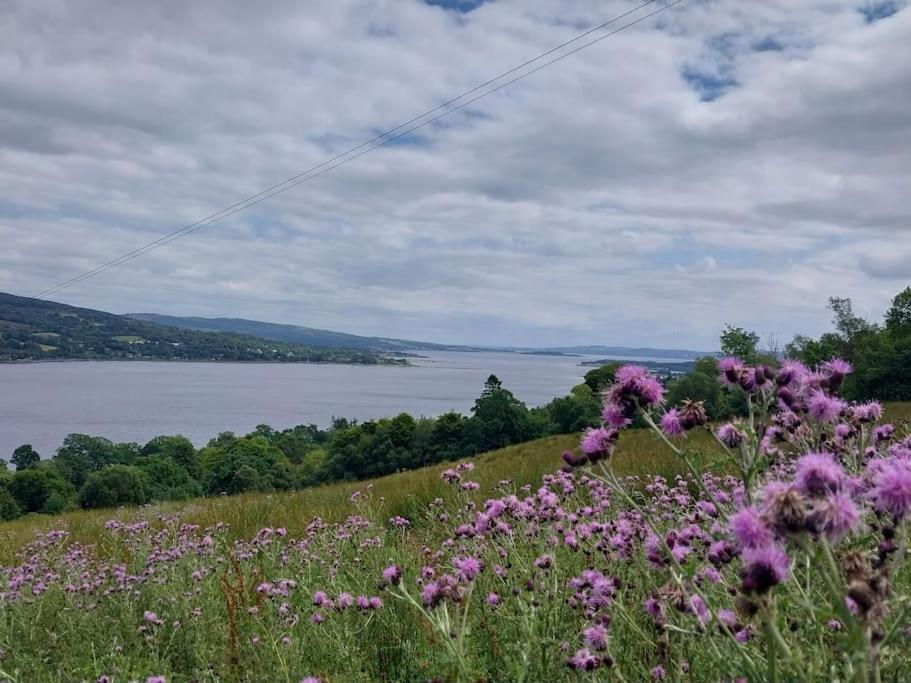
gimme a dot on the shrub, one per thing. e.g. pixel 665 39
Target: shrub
pixel 114 485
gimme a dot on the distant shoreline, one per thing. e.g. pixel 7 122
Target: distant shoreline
pixel 36 361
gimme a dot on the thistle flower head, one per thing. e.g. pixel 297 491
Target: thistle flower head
pixel 818 475
pixel 891 490
pixel 671 424
pixel 749 529
pixel 763 568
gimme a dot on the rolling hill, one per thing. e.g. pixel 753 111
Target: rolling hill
pixel 34 329
pixel 311 336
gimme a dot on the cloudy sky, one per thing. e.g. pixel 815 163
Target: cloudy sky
pixel 724 161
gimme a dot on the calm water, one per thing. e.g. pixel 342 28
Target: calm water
pixel 40 403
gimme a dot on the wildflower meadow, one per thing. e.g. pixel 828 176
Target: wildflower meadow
pixel 771 548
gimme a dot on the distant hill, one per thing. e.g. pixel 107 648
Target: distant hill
pixel 297 334
pixel 32 329
pixel 632 352
pixel 312 336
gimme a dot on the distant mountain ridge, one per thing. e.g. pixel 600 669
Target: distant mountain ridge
pixel 35 329
pixel 315 337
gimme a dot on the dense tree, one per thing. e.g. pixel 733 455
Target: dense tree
pixel 25 457
pixel 34 488
pixel 898 317
pixel 114 485
pixel 176 448
pixel 881 355
pixel 242 464
pixel 498 419
pixel 167 479
pixel 601 377
pixel 81 454
pixel 741 343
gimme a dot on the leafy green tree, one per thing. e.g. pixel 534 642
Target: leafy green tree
pixel 177 448
pixel 167 479
pixel 447 437
pixel 32 488
pixel 846 322
pixel 81 454
pixel 9 506
pixel 601 377
pixel 221 466
pixel 736 341
pixel 25 457
pixel 114 485
pixel 898 317
pixel 498 419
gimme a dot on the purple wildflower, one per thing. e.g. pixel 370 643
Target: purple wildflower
pixel 730 436
pixel 468 568
pixel 598 443
pixel 392 575
pixel 823 407
pixel 818 474
pixel 750 529
pixel 764 568
pixel 595 637
pixel 671 425
pixel 891 490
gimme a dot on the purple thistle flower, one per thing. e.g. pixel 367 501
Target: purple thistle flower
pixel 392 575
pixel 730 436
pixel 583 660
pixel 823 407
pixel 468 568
pixel 658 673
pixel 730 368
pixel 493 599
pixel 867 412
pixel 598 443
pixel 891 490
pixel 750 529
pixel 615 415
pixel 671 425
pixel 836 369
pixel 834 517
pixel 818 475
pixel 595 637
pixel 764 568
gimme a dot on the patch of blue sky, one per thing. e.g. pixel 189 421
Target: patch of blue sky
pixel 709 86
pixel 457 5
pixel 875 11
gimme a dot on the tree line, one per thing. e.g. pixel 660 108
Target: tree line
pixel 92 471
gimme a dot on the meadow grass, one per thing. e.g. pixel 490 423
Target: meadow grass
pixel 405 493
pixel 211 602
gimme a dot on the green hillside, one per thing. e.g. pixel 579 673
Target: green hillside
pixel 33 329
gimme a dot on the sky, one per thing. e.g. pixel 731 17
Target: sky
pixel 722 162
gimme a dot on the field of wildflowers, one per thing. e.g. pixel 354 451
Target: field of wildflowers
pixel 771 548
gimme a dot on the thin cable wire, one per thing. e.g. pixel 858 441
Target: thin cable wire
pixel 365 147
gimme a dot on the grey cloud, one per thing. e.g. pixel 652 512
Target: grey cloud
pixel 540 215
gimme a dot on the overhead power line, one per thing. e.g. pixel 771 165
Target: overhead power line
pixel 445 109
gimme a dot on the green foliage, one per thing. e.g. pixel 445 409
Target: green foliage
pixel 881 355
pixel 244 464
pixel 600 378
pixel 81 454
pixel 33 488
pixel 114 485
pixel 177 448
pixel 25 457
pixel 35 329
pixel 168 479
pixel 738 342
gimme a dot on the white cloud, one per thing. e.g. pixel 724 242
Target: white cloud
pixel 600 200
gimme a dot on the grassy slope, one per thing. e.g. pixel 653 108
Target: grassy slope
pixel 403 494
pixel 407 493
